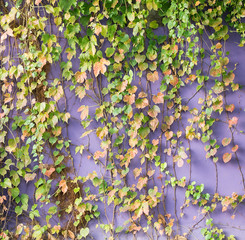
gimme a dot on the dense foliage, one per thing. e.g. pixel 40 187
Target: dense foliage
pixel 128 64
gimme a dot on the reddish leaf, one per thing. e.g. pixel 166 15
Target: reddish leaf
pixel 131 89
pixel 101 132
pixel 168 72
pixel 49 172
pixel 235 148
pixel 226 141
pixel 233 121
pixel 230 108
pixel 174 80
pixel 63 186
pixel 71 234
pixel 227 157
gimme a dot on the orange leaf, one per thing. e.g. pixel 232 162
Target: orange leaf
pixel 100 67
pixel 80 77
pixel 227 157
pixel 169 135
pixel 218 45
pixel 141 103
pixel 230 108
pixel 153 124
pixel 215 72
pixel 49 172
pixel 233 121
pixel 130 99
pixel 63 186
pixel 226 141
pixel 84 111
pixel 142 181
pixel 174 81
pixel 153 77
pixel 235 148
pixel 158 98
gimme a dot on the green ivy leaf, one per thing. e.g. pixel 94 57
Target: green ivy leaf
pixel 66 5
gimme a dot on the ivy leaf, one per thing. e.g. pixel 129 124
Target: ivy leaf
pixel 153 77
pixel 63 186
pixel 84 233
pixel 109 52
pixel 84 111
pixel 100 67
pixel 144 132
pixel 227 157
pixel 15 192
pixel 228 78
pixel 154 124
pixel 141 103
pixel 80 77
pixel 174 80
pixel 49 172
pixel 151 4
pixel 137 172
pixel 226 141
pixel 153 24
pixel 153 112
pixel 66 5
pixel 235 148
pixel 29 176
pixel 169 134
pixel 141 182
pixel 230 108
pixel 6 183
pixel 233 121
pixel 158 98
pixel 18 210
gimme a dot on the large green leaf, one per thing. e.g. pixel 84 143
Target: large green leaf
pixel 66 4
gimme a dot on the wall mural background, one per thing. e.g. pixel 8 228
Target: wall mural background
pixel 122 119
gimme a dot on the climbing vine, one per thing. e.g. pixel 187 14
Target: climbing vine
pixel 142 83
